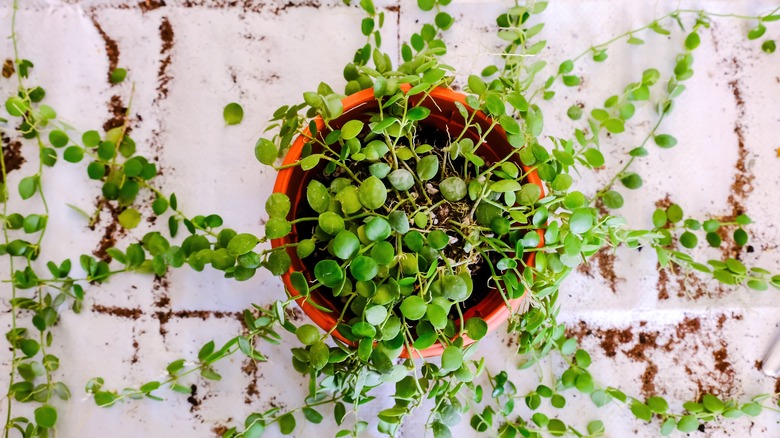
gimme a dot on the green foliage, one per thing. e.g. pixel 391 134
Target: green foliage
pixel 233 113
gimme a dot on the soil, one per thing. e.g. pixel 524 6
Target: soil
pixel 12 154
pixel 250 370
pixel 8 68
pixel 150 5
pixel 121 312
pixel 111 231
pixel 219 430
pixel 112 49
pixel 118 112
pixel 163 77
pixel 299 4
pixel 193 399
pixel 163 316
pixel 684 343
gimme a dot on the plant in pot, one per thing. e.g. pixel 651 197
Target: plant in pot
pixel 409 219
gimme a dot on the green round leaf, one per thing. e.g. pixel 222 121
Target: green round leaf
pixel 688 423
pixel 581 220
pixel 58 138
pixel 118 75
pixel 90 139
pixel 318 355
pixel 233 114
pixel 363 268
pixel 277 227
pixel 345 245
pixel 476 328
pixel 73 154
pixel 46 416
pixel 329 273
pixel 427 167
pixel 453 189
pixel 451 358
pixel 242 244
pixel 375 315
pixel 454 287
pixel 613 199
pixel 437 316
pixel 383 253
pixel 265 151
pixel 278 204
pixel 330 222
pixel 363 330
pixel 372 193
pixel 399 221
pixel 351 129
pixel 413 307
pixel 307 334
pixel 129 218
pixel 665 140
pixel 401 179
pixel 438 239
pixel 318 197
pixel 378 229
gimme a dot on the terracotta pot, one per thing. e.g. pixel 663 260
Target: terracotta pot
pixel 293 181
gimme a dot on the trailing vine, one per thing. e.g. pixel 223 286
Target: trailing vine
pixel 560 230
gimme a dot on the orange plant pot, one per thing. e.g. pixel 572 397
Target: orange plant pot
pixel 444 115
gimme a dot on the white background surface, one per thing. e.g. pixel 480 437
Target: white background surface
pixel 265 54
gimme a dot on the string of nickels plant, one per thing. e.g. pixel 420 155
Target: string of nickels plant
pixel 599 51
pixel 259 327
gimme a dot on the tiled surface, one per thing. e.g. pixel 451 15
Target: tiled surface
pixel 188 59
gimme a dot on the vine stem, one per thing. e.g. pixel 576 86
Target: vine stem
pixel 628 164
pixel 672 14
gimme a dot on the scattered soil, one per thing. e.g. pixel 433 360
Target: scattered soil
pixel 160 288
pixel 605 259
pixel 8 68
pixel 692 325
pixel 112 49
pixel 121 312
pixel 118 112
pixel 664 202
pixel 193 399
pixel 163 77
pixel 136 348
pixel 250 370
pixel 648 379
pixel 293 313
pixel 742 184
pixel 150 5
pixel 663 283
pixel 219 430
pixel 12 154
pixel 165 316
pixel 299 4
pixel 111 231
pixel 684 343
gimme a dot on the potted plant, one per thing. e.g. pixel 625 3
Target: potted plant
pixel 408 220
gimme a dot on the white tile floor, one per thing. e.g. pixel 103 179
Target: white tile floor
pixel 263 54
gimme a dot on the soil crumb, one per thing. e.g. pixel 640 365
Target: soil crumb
pixel 163 77
pixel 112 49
pixel 12 154
pixel 150 5
pixel 8 68
pixel 121 312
